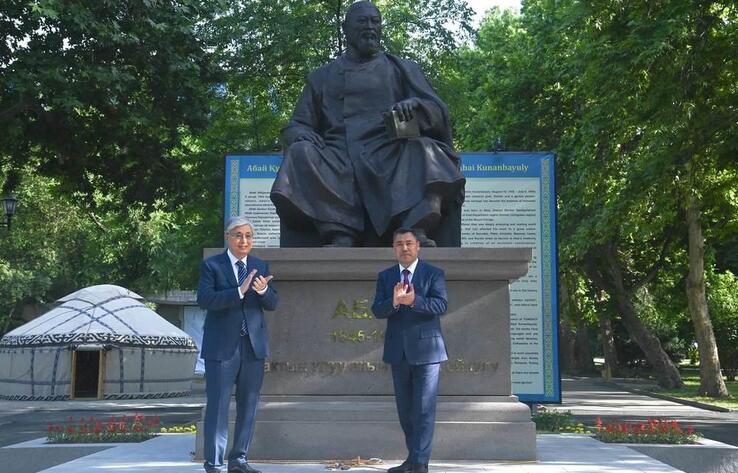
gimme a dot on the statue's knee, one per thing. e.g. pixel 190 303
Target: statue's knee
pixel 301 148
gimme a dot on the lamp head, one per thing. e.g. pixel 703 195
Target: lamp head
pixel 9 204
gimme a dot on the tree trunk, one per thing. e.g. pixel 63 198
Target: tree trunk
pixel 582 352
pixel 711 379
pixel 665 371
pixel 612 367
pixel 566 346
pixel 567 337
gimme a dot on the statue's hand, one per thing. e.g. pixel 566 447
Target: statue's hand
pixel 406 108
pixel 312 137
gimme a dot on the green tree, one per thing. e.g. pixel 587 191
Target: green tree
pixel 586 81
pixel 59 244
pixel 116 117
pixel 102 90
pixel 672 57
pixel 723 302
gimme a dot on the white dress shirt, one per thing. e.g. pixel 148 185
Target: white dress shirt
pixel 410 268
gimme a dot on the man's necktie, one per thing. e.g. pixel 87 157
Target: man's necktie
pixel 406 277
pixel 241 279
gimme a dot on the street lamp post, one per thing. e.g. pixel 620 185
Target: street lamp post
pixel 8 205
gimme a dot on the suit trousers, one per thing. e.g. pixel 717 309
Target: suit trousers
pixel 416 389
pixel 247 373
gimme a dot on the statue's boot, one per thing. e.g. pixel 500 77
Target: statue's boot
pixel 423 239
pixel 424 218
pixel 341 240
pixel 337 235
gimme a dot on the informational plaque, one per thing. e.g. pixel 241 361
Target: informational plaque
pixel 248 182
pixel 510 203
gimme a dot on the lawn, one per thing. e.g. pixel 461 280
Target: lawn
pixel 689 392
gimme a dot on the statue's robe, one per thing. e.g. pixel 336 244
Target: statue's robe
pixel 361 169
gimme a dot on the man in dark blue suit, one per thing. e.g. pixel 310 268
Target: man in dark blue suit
pixel 235 290
pixel 412 297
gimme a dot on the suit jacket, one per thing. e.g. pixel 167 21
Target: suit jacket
pixel 217 292
pixel 413 331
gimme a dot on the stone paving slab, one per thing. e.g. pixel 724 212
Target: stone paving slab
pixel 584 397
pixel 41 443
pixel 568 453
pixel 27 460
pixel 594 397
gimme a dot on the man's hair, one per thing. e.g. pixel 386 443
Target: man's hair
pixel 402 230
pixel 355 5
pixel 237 221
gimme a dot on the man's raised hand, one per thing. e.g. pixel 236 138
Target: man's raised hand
pixel 408 297
pixel 397 292
pixel 403 294
pixel 260 283
pixel 247 282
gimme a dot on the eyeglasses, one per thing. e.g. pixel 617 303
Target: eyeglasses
pixel 241 236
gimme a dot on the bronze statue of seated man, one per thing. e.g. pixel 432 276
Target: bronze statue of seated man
pixel 345 174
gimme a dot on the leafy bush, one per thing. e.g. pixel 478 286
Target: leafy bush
pixel 722 299
pixel 556 421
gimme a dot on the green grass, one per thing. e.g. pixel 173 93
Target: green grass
pixel 689 392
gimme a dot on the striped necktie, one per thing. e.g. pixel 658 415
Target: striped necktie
pixel 241 279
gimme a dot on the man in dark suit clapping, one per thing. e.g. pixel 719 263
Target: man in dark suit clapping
pixel 412 296
pixel 235 290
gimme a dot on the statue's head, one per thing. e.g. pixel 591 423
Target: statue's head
pixel 363 28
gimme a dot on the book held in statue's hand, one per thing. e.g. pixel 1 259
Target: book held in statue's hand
pixel 400 129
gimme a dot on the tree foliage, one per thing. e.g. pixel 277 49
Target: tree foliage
pixel 116 117
pixel 635 97
pixel 723 300
pixel 102 90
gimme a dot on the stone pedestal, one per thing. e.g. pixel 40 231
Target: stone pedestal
pixel 328 395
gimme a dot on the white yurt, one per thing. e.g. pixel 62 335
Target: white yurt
pixel 99 342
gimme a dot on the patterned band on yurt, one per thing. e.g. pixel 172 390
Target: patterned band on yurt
pixel 99 342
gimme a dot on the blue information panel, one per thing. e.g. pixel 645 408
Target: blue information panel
pixel 510 202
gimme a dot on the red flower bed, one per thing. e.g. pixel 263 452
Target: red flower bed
pixel 136 428
pixel 651 431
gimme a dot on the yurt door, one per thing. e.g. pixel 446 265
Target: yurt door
pixel 88 372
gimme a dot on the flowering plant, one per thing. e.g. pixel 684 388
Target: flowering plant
pixel 136 428
pixel 651 431
pixel 179 429
pixel 557 421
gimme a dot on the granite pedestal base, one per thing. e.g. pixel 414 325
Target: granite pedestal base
pixel 327 394
pixel 337 427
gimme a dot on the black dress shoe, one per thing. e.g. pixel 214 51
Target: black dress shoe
pixel 419 468
pixel 404 467
pixel 212 469
pixel 241 467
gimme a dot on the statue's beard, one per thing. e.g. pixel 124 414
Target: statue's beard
pixel 367 44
